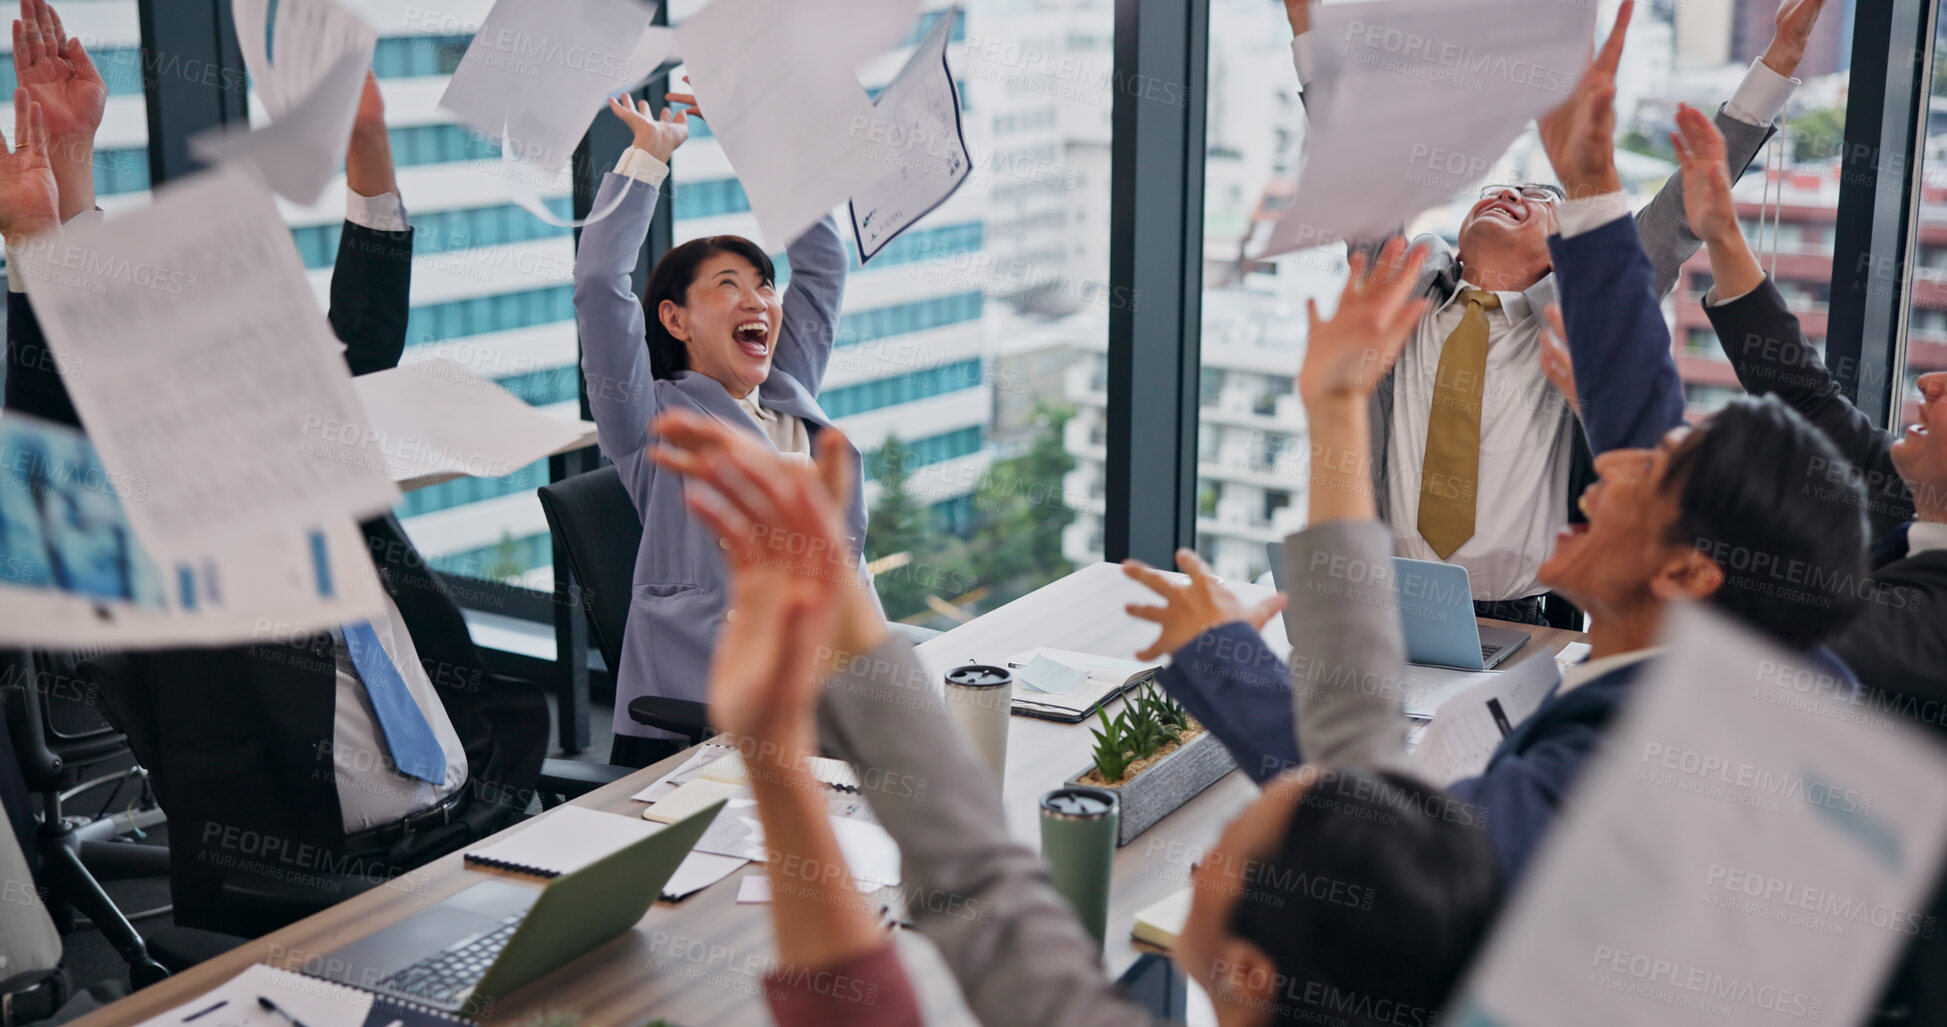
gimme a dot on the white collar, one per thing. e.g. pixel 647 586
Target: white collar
pixel 749 403
pixel 1513 304
pixel 1924 536
pixel 1588 670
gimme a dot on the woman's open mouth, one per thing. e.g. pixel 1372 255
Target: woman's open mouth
pixel 754 338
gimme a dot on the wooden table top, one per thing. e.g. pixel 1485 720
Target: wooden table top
pixel 701 961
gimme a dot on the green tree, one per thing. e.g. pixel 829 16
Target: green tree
pixel 1818 135
pixel 914 559
pixel 506 565
pixel 1021 512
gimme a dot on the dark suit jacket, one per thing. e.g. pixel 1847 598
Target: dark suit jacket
pixel 238 740
pixel 1898 644
pixel 1245 700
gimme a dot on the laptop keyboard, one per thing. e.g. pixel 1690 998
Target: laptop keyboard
pixel 443 977
pixel 1488 651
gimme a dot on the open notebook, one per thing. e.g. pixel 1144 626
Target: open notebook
pixel 573 837
pixel 1102 678
pixel 306 1000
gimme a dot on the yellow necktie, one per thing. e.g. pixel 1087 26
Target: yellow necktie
pixel 1450 477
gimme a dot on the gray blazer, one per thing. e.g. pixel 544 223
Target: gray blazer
pixel 1344 720
pixel 1021 957
pixel 678 591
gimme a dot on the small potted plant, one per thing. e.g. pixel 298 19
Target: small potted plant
pixel 1155 757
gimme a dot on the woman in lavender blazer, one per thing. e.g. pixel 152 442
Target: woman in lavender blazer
pixel 717 338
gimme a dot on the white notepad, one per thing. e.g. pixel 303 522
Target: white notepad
pixel 1160 923
pixel 563 842
pixel 691 797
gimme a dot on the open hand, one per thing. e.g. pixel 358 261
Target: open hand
pixel 1555 362
pixel 1192 608
pixel 1706 176
pixel 29 200
pixel 1347 355
pixel 1794 24
pixel 1580 134
pixel 659 137
pixel 791 569
pixel 57 73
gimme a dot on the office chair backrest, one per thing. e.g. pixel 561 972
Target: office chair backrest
pixel 592 515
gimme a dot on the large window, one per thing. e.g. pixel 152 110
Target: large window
pixel 957 343
pixel 491 288
pixel 1253 463
pixel 1926 333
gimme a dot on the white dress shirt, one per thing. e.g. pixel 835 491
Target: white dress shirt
pixel 1527 434
pixel 1588 670
pixel 1924 536
pixel 1526 427
pixel 371 792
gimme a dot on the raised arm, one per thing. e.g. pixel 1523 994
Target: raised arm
pixel 1625 378
pixel 819 265
pixel 614 351
pixel 371 281
pixel 1762 338
pixel 29 211
pixel 58 74
pixel 1746 122
pixel 1020 956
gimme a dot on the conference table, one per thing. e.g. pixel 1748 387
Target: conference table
pixel 700 961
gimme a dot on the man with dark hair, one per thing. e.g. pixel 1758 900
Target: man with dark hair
pixel 1722 513
pixel 1898 644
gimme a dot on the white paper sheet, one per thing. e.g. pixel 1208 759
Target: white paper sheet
pixel 73 573
pixel 918 139
pixel 308 1000
pixel 870 853
pixel 787 112
pixel 698 871
pixel 435 416
pixel 537 72
pixel 1740 854
pixel 201 363
pixel 1413 101
pixel 1468 724
pixel 308 80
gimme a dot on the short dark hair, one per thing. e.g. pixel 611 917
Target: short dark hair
pixel 1769 499
pixel 671 280
pixel 1374 900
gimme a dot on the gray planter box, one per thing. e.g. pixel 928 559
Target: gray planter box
pixel 1166 784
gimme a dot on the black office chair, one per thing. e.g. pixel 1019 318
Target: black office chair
pixel 595 520
pixel 59 737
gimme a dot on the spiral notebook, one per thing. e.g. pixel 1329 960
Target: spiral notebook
pixel 307 1000
pixel 572 837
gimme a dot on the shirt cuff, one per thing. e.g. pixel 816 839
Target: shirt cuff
pixel 1301 57
pixel 1577 217
pixel 382 213
pixel 642 166
pixel 1714 299
pixel 1761 97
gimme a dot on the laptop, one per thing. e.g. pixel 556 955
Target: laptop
pixel 1436 612
pixel 483 943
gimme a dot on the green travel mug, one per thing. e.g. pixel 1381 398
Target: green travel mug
pixel 1078 829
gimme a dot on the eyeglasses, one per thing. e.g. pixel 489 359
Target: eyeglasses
pixel 1531 193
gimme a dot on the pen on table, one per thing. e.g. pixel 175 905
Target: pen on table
pixel 207 1010
pixel 275 1008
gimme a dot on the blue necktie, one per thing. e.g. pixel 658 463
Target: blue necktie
pixel 1891 546
pixel 415 752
